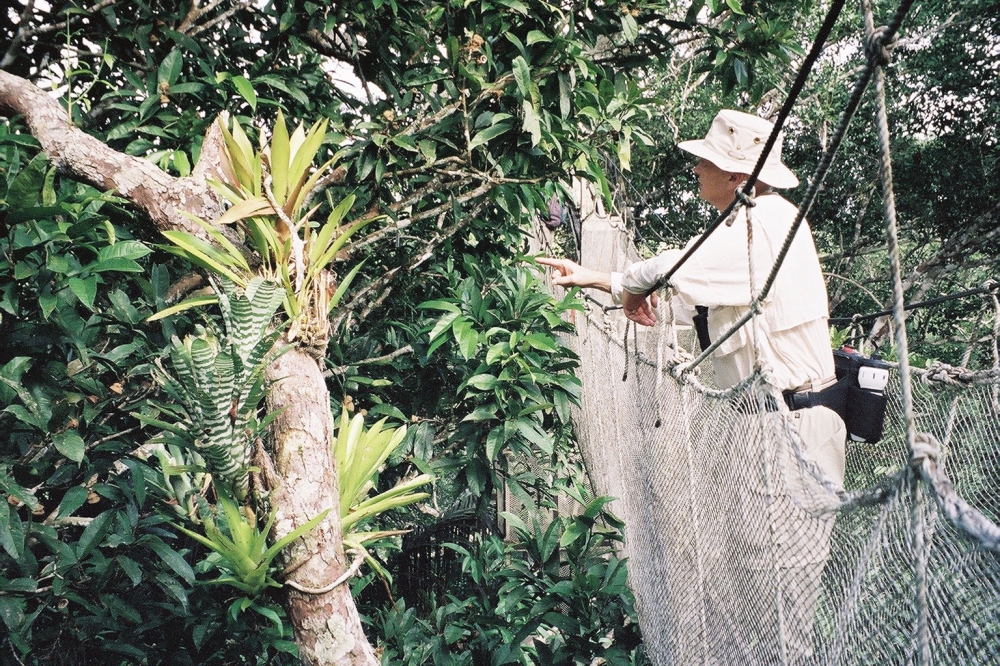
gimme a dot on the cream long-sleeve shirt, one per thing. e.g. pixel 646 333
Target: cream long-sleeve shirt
pixel 795 342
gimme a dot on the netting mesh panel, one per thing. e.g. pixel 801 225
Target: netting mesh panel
pixel 740 550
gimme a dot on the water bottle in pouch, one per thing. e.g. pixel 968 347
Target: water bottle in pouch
pixel 866 400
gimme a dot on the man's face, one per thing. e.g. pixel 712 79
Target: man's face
pixel 716 186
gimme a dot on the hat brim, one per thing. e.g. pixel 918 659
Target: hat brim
pixel 774 174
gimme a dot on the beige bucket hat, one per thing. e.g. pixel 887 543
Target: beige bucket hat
pixel 734 143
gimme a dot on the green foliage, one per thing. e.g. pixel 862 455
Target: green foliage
pixel 242 546
pixel 217 386
pixel 360 454
pixel 89 571
pixel 517 382
pixel 269 191
pixel 555 594
pixel 466 116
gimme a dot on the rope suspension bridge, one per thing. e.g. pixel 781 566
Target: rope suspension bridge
pixel 906 550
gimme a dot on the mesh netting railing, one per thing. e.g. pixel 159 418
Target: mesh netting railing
pixel 741 551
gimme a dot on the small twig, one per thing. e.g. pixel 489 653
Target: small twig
pixel 408 349
pixel 72 521
pixel 221 17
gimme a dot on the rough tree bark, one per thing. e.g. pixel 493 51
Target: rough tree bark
pixel 327 626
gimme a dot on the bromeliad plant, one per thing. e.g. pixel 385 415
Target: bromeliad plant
pixel 216 389
pixel 360 455
pixel 245 558
pixel 270 192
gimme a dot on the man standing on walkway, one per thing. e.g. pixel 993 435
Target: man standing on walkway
pixel 780 549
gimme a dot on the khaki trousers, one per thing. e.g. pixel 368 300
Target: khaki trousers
pixel 767 573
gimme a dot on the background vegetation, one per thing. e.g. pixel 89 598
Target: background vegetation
pixel 453 123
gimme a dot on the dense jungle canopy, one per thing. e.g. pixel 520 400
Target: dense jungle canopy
pixel 148 464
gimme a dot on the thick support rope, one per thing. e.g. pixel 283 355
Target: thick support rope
pixel 921 537
pixel 969 519
pixel 990 287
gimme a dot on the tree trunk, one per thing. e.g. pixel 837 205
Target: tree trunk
pixel 327 625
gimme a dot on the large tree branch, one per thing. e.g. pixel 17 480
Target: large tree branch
pixel 159 195
pixel 954 254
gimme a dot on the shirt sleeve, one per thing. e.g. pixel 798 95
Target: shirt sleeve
pixel 717 274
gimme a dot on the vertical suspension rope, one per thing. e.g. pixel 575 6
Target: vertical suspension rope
pixel 919 511
pixel 995 391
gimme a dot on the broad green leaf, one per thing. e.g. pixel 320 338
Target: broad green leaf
pixel 118 265
pixel 494 443
pixel 516 5
pixel 251 207
pixel 170 557
pixel 572 532
pixel 482 413
pixel 536 37
pixel 181 163
pixel 26 187
pixel 198 251
pixel 596 506
pixel 444 323
pixel 279 158
pixel 246 91
pixel 630 29
pixel 303 152
pixel 19 585
pixel 487 134
pixel 482 382
pixel 241 154
pixel 625 150
pixel 131 569
pixel 93 533
pixel 532 123
pixel 84 289
pixel 541 342
pixel 522 75
pixel 565 88
pixel 72 500
pixel 466 336
pixel 12 614
pixel 530 431
pixel 740 69
pixel 170 68
pixel 11 533
pixel 125 249
pixel 515 522
pixel 70 444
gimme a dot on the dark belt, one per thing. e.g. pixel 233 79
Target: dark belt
pixel 833 397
